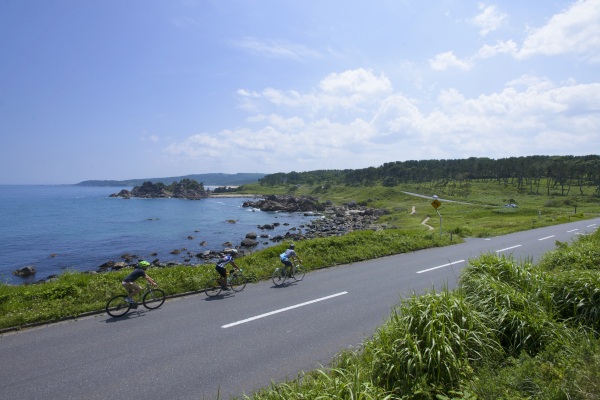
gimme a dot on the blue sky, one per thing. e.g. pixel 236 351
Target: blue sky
pixel 145 88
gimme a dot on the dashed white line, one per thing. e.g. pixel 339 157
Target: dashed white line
pixel 547 237
pixel 508 248
pixel 282 310
pixel 573 230
pixel 440 266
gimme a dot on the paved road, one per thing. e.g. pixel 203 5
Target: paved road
pixel 194 347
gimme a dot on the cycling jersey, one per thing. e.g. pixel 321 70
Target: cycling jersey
pixel 287 254
pixel 135 275
pixel 227 258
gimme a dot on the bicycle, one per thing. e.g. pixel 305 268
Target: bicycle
pixel 282 274
pixel 236 281
pixel 152 298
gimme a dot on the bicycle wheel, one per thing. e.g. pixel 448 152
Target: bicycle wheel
pixel 299 272
pixel 117 306
pixel 238 282
pixel 279 277
pixel 153 299
pixel 213 288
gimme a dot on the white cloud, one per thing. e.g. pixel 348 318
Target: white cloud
pixel 488 51
pixel 530 115
pixel 489 20
pixel 351 90
pixel 575 30
pixel 358 81
pixel 446 60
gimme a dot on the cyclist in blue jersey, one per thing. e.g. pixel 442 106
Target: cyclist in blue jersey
pixel 220 267
pixel 129 281
pixel 287 255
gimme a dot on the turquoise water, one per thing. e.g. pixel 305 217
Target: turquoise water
pixel 74 227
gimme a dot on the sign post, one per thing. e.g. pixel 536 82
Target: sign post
pixel 436 204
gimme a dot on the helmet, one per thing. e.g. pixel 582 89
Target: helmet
pixel 143 264
pixel 292 246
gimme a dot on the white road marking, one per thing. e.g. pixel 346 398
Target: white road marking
pixel 282 310
pixel 440 266
pixel 547 237
pixel 572 230
pixel 589 226
pixel 509 248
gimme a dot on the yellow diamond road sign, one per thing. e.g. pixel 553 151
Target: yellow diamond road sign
pixel 436 203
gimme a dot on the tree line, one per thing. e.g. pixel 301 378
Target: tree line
pixel 536 174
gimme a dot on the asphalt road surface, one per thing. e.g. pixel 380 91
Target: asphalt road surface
pixel 196 347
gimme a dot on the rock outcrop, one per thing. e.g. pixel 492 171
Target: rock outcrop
pixel 185 189
pixel 286 204
pixel 25 272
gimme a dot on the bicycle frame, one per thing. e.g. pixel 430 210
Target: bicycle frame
pixel 282 274
pixel 150 297
pixel 235 280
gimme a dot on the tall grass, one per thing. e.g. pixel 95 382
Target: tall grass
pixel 334 383
pixel 515 297
pixel 574 280
pixel 577 297
pixel 430 343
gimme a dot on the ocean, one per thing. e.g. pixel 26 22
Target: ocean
pixel 67 227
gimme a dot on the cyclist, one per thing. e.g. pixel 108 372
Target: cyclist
pixel 285 258
pixel 220 267
pixel 129 281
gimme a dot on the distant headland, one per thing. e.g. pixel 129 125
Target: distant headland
pixel 212 179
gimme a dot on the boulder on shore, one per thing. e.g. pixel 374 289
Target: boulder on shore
pixel 249 242
pixel 25 272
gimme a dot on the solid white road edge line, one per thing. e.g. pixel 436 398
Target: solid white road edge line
pixel 440 266
pixel 282 310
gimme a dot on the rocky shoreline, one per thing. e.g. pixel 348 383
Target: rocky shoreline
pixel 334 221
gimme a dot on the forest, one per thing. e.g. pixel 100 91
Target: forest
pixel 533 174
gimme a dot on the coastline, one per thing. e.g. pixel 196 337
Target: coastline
pixel 93 230
pixel 57 228
pixel 231 195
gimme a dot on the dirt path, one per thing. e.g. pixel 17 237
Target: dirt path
pixel 424 222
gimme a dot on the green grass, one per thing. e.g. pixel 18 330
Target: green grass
pixel 483 216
